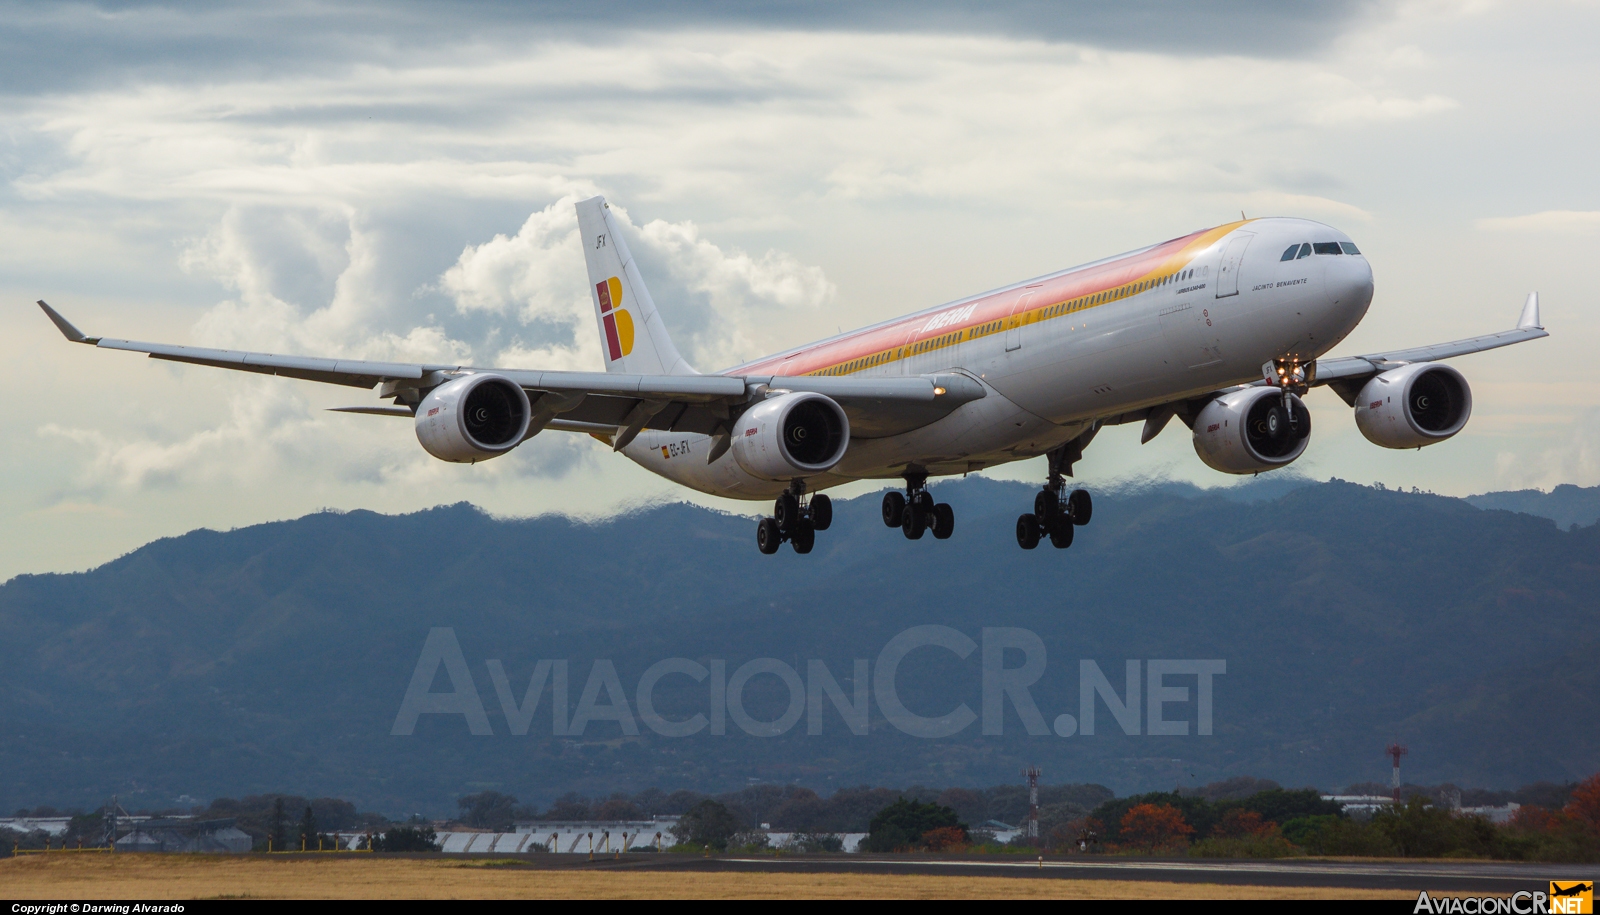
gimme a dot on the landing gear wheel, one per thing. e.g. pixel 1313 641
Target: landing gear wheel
pixel 786 511
pixel 914 522
pixel 821 512
pixel 1061 532
pixel 894 508
pixel 1300 426
pixel 1028 531
pixel 803 538
pixel 768 537
pixel 1079 506
pixel 1046 504
pixel 944 521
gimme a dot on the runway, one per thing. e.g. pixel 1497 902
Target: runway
pixel 1466 876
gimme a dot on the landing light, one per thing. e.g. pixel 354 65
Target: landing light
pixel 938 391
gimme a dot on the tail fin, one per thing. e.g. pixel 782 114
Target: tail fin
pixel 632 337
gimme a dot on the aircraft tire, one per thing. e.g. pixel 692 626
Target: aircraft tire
pixel 944 521
pixel 768 537
pixel 914 523
pixel 1045 505
pixel 804 537
pixel 894 508
pixel 1028 531
pixel 1061 533
pixel 821 512
pixel 1080 507
pixel 1302 423
pixel 786 511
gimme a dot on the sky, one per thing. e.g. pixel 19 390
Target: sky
pixel 395 181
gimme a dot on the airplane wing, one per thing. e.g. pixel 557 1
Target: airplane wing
pixel 1345 375
pixel 599 402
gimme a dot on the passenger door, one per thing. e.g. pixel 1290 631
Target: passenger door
pixel 1014 323
pixel 1228 269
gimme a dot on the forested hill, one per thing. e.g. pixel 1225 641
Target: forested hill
pixel 278 657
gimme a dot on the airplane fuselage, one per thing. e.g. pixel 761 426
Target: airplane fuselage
pixel 1057 353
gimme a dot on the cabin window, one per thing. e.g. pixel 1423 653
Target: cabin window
pixel 1326 247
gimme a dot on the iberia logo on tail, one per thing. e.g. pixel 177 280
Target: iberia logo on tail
pixel 617 321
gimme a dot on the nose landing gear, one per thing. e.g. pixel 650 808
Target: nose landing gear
pixel 795 519
pixel 916 513
pixel 1056 512
pixel 1291 377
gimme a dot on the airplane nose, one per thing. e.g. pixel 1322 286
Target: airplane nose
pixel 1349 282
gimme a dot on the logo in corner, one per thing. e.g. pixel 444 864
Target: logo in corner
pixel 616 320
pixel 1571 897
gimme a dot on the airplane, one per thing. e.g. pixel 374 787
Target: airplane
pixel 1223 328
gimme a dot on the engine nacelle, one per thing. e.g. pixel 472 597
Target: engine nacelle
pixel 473 418
pixel 1414 405
pixel 791 435
pixel 1248 432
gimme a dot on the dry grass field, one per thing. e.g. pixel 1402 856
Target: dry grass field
pixel 155 877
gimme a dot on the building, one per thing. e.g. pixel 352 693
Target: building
pixel 175 834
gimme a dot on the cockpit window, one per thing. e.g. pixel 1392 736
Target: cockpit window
pixel 1289 254
pixel 1349 248
pixel 1326 247
pixel 1305 250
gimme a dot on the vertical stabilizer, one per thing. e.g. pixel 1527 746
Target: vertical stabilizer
pixel 632 337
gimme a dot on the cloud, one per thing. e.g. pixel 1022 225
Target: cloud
pixel 107 44
pixel 1547 221
pixel 1573 456
pixel 538 278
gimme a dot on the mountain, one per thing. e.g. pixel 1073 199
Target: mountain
pixel 279 657
pixel 1566 505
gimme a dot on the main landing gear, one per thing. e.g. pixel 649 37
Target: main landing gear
pixel 916 512
pixel 796 519
pixel 1056 512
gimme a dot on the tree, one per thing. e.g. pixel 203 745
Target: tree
pixel 707 824
pixel 308 830
pixel 815 842
pixel 1420 830
pixel 1154 826
pixel 1584 805
pixel 1238 823
pixel 903 824
pixel 279 838
pixel 488 810
pixel 407 838
pixel 945 838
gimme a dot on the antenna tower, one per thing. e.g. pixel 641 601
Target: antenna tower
pixel 1032 774
pixel 1395 751
pixel 111 812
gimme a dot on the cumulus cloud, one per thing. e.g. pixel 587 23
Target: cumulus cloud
pixel 538 277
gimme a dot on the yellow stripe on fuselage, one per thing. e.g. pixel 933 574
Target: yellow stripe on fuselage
pixel 1174 264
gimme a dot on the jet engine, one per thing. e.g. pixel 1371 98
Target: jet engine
pixel 1248 431
pixel 791 435
pixel 473 418
pixel 1414 405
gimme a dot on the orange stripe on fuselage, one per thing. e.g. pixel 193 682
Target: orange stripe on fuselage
pixel 1065 293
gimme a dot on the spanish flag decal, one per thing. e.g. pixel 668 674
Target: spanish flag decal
pixel 617 321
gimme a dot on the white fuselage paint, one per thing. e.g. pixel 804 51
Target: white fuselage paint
pixel 1049 380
